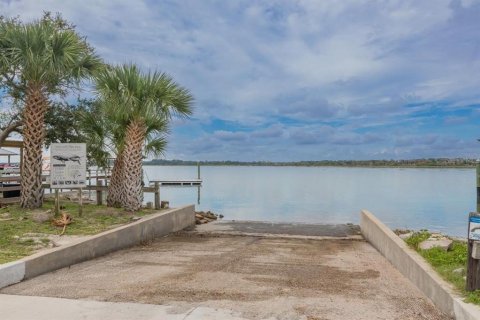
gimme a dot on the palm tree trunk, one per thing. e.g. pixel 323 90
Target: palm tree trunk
pixel 33 138
pixel 132 182
pixel 114 197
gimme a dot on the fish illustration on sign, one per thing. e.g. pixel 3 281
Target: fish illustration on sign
pixel 72 158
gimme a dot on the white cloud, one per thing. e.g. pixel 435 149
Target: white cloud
pixel 360 62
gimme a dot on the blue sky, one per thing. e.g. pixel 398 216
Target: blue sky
pixel 301 80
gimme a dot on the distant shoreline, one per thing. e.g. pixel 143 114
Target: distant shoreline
pixel 418 163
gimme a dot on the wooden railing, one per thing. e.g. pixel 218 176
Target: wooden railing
pixel 16 179
pixel 100 187
pixel 7 188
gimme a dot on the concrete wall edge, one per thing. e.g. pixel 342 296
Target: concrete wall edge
pixel 415 268
pixel 150 227
pixel 11 273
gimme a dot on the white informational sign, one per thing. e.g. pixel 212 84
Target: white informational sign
pixel 68 165
pixel 474 227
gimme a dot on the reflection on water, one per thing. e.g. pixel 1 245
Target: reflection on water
pixel 437 199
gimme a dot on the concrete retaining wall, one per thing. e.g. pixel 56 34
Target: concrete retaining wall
pixel 415 268
pixel 145 229
pixel 11 273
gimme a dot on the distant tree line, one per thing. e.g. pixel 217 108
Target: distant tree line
pixel 412 163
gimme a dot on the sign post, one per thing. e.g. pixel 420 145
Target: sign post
pixel 69 168
pixel 57 203
pixel 473 264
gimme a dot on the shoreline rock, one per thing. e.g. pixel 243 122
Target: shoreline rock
pixel 404 234
pixel 202 217
pixel 442 243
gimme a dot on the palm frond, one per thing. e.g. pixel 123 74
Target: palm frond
pixel 127 95
pixel 137 95
pixel 155 145
pixel 49 53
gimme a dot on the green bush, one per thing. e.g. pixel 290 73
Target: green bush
pixel 446 262
pixel 417 237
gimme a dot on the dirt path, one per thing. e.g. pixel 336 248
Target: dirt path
pixel 260 278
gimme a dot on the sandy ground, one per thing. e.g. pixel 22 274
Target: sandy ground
pixel 257 277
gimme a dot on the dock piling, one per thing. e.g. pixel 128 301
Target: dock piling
pixel 99 193
pixel 157 196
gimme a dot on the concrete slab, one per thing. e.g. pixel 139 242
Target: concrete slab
pixel 415 268
pixel 246 277
pixel 260 228
pixel 43 308
pixel 143 230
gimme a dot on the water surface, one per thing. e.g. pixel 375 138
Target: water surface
pixel 437 199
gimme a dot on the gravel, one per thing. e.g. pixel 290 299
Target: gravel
pixel 258 277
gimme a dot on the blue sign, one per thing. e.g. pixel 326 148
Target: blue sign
pixel 474 227
pixel 475 219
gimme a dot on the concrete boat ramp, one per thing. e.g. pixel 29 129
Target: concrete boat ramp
pixel 228 270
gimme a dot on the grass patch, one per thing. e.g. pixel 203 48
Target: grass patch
pixel 15 222
pixel 416 238
pixel 445 262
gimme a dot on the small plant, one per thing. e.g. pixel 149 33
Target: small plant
pixel 417 238
pixel 457 255
pixel 447 263
pixel 27 242
pixel 473 297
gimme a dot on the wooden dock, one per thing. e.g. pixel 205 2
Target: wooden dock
pixel 177 183
pixel 157 184
pixel 9 183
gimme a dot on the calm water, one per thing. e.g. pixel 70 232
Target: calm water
pixel 437 199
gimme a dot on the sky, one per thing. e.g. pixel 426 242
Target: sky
pixel 300 80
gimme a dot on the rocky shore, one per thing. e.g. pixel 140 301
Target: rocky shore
pixel 434 239
pixel 202 217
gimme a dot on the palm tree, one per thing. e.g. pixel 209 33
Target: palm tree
pixel 37 60
pixel 154 144
pixel 144 103
pixel 105 137
pixel 95 132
